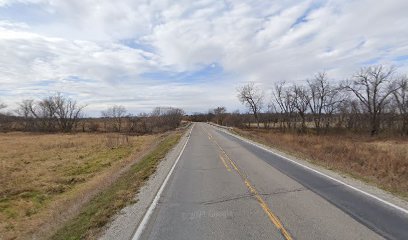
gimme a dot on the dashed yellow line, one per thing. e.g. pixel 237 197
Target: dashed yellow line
pixel 225 164
pixel 272 217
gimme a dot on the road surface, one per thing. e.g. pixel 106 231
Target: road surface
pixel 226 188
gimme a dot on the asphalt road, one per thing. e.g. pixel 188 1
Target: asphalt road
pixel 225 188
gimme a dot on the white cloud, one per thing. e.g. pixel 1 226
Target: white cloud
pixel 76 46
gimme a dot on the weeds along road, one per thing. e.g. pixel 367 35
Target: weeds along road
pixel 225 188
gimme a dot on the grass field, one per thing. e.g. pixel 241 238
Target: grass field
pixel 381 161
pixel 47 178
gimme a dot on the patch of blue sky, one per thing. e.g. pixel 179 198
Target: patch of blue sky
pixel 44 83
pixel 300 20
pixel 78 79
pixel 51 86
pixel 371 61
pixel 361 44
pixel 136 44
pixel 307 38
pixel 329 49
pixel 203 5
pixel 5 92
pixel 117 100
pixel 401 58
pixel 208 73
pixel 120 79
pixel 51 82
pixel 388 48
pixel 303 18
pixel 40 84
pixel 27 13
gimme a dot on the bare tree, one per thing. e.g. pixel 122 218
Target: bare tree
pixel 67 112
pixel 39 115
pixel 3 116
pixel 51 113
pixel 25 110
pixel 319 91
pixel 173 117
pixel 144 125
pixel 2 105
pixel 115 114
pixel 373 87
pixel 234 119
pixel 301 101
pixel 324 99
pixel 46 113
pixel 283 96
pixel 219 113
pixel 334 100
pixel 253 98
pixel 166 118
pixel 268 116
pixel 401 102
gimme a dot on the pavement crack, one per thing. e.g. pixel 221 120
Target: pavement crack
pixel 285 191
pixel 227 199
pixel 300 189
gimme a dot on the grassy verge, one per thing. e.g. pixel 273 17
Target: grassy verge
pixel 42 175
pixel 100 209
pixel 379 161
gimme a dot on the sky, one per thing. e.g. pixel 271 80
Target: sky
pixel 188 54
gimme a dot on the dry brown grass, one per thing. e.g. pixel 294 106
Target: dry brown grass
pixel 46 178
pixel 94 215
pixel 380 161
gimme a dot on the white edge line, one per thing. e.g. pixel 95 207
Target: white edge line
pixel 320 173
pixel 153 205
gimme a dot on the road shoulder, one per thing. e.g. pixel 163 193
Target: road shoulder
pixel 127 220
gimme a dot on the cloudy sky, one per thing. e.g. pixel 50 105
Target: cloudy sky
pixel 188 54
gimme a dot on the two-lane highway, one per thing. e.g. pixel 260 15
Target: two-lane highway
pixel 225 188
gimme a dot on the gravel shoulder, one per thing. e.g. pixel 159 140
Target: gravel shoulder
pixel 127 220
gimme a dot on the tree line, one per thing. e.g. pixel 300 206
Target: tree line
pixel 116 119
pixel 58 113
pixel 373 99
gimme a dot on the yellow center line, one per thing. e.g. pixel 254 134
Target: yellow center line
pixel 222 159
pixel 233 164
pixel 272 217
pixel 225 164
